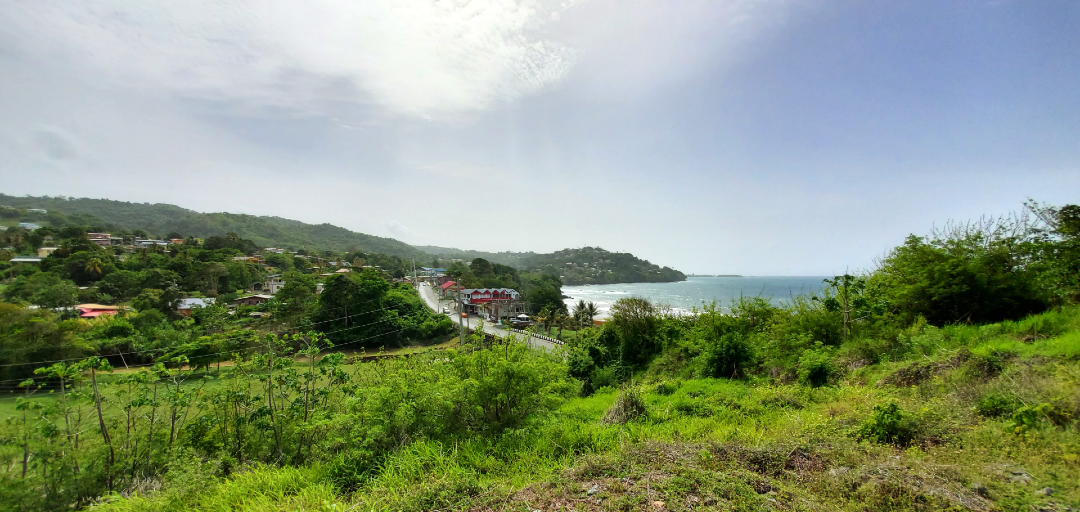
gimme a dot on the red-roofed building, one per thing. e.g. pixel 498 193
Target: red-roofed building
pixel 446 288
pixel 493 303
pixel 96 310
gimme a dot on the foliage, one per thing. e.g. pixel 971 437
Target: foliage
pixel 728 357
pixel 889 424
pixel 628 407
pixel 816 366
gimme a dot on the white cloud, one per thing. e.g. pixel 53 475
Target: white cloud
pixel 427 59
pixel 398 229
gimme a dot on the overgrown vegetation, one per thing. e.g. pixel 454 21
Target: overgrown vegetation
pixel 856 399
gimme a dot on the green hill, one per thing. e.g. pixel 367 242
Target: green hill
pixel 593 265
pixel 160 219
pixel 587 265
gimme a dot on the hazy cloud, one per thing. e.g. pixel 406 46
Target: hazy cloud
pixel 425 59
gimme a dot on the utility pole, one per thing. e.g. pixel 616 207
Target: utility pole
pixel 459 316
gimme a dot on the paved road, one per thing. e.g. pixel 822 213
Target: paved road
pixel 472 322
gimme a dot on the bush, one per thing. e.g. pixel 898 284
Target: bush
pixel 995 405
pixel 728 357
pixel 889 424
pixel 628 406
pixel 816 367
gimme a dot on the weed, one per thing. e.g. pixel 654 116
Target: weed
pixel 628 406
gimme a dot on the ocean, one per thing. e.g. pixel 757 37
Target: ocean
pixel 695 291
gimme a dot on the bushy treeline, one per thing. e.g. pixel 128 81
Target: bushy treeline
pixel 282 405
pixel 976 273
pixel 149 283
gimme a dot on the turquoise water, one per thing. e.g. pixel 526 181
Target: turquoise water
pixel 694 291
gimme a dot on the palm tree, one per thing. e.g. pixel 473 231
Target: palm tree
pixel 591 311
pixel 579 312
pixel 544 318
pixel 93 266
pixel 561 320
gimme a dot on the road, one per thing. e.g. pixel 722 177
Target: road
pixel 472 322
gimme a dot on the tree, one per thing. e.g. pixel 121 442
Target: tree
pixel 350 305
pixel 635 321
pixel 93 266
pixel 52 292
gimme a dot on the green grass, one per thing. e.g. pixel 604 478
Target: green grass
pixel 718 444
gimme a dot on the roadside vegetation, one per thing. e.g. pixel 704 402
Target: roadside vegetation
pixel 947 378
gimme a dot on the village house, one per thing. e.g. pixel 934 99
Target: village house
pixel 96 310
pixel 183 308
pixel 274 283
pixel 253 300
pixel 104 239
pixel 44 252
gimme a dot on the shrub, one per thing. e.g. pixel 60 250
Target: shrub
pixel 728 357
pixel 889 424
pixel 628 406
pixel 995 405
pixel 816 367
pixel 667 388
pixel 1031 416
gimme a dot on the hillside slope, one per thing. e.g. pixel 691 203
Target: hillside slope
pixel 585 265
pixel 160 219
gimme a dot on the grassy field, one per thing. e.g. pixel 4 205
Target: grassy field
pixel 715 444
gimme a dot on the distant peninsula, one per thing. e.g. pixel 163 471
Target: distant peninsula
pixel 713 275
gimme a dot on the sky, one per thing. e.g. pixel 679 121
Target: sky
pixel 755 137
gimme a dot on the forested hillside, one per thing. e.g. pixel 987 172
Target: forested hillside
pixel 593 265
pixel 161 219
pixel 587 265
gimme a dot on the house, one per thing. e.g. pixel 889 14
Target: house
pixel 447 288
pixel 493 303
pixel 25 259
pixel 253 300
pixel 96 310
pixel 44 252
pixel 37 210
pixel 142 244
pixel 102 239
pixel 185 305
pixel 342 271
pixel 29 226
pixel 273 284
pixel 256 259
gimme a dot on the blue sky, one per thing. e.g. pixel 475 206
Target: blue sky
pixel 754 137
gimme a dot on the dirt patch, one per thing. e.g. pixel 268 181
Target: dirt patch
pixel 921 371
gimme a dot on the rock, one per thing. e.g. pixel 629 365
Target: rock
pixel 658 504
pixel 978 488
pixel 593 490
pixel 1046 491
pixel 1020 477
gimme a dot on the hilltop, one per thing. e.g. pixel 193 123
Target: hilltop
pixel 266 231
